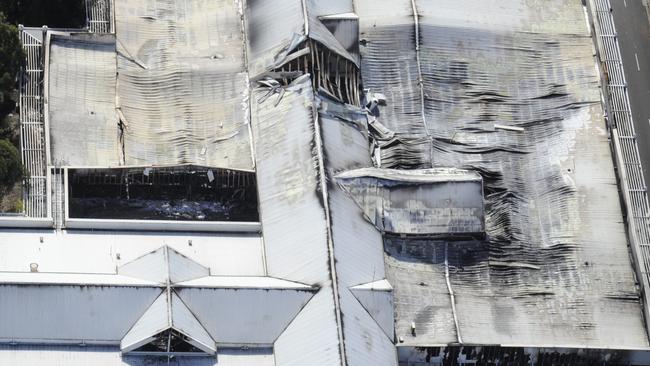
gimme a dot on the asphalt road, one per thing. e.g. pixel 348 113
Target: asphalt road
pixel 633 28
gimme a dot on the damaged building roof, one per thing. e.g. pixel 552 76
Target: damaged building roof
pixel 425 174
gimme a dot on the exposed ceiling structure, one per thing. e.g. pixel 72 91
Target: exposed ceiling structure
pixel 466 196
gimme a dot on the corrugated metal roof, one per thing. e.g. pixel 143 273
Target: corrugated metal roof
pixel 81 74
pixel 293 220
pixel 153 321
pixel 288 186
pixel 185 322
pixel 35 278
pixel 312 337
pixel 528 64
pixel 70 313
pixel 244 316
pixel 111 356
pixel 418 202
pixel 553 268
pixel 272 28
pixel 244 282
pixel 377 298
pixel 181 83
pixel 357 244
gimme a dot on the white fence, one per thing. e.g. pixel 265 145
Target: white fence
pixel 32 127
pixel 98 16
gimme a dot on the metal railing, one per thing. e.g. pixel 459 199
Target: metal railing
pixel 99 17
pixel 32 127
pixel 626 150
pixel 58 177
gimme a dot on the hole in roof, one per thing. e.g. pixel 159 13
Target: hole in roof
pixel 186 193
pixel 168 341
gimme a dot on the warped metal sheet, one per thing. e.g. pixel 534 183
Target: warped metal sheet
pixel 554 269
pixel 421 296
pixel 388 62
pixel 330 7
pixel 319 32
pixel 182 86
pixel 69 313
pixel 293 217
pixel 83 122
pixel 357 244
pixel 273 28
pixel 345 146
pixel 423 201
pixel 345 28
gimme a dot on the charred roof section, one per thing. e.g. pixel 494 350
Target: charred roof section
pixel 429 202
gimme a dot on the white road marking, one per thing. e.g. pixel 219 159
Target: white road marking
pixel 637 61
pixel 625 3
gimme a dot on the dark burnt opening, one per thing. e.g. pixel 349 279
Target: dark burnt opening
pixel 168 341
pixel 187 193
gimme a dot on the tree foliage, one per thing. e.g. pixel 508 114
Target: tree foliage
pixel 11 169
pixel 11 58
pixel 53 13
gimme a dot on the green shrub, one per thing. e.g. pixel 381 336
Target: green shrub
pixel 11 168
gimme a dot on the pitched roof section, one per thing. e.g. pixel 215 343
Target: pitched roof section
pixel 164 265
pixel 168 313
pixel 377 298
pixel 419 202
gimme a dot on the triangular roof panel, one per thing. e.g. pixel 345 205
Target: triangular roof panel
pixel 164 265
pixel 377 298
pixel 167 313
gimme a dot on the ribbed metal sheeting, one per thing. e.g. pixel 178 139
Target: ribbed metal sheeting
pixel 32 127
pixel 294 220
pixel 182 84
pixel 81 79
pixel 556 250
pixel 624 138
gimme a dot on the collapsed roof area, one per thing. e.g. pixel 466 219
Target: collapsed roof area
pixel 377 178
pixel 184 193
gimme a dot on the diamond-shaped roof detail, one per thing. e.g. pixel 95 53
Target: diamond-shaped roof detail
pixel 164 265
pixel 168 313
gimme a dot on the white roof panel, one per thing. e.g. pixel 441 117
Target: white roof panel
pixel 244 282
pixel 185 322
pixel 72 313
pixel 244 316
pixel 103 251
pixel 111 356
pixel 26 278
pixel 154 320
